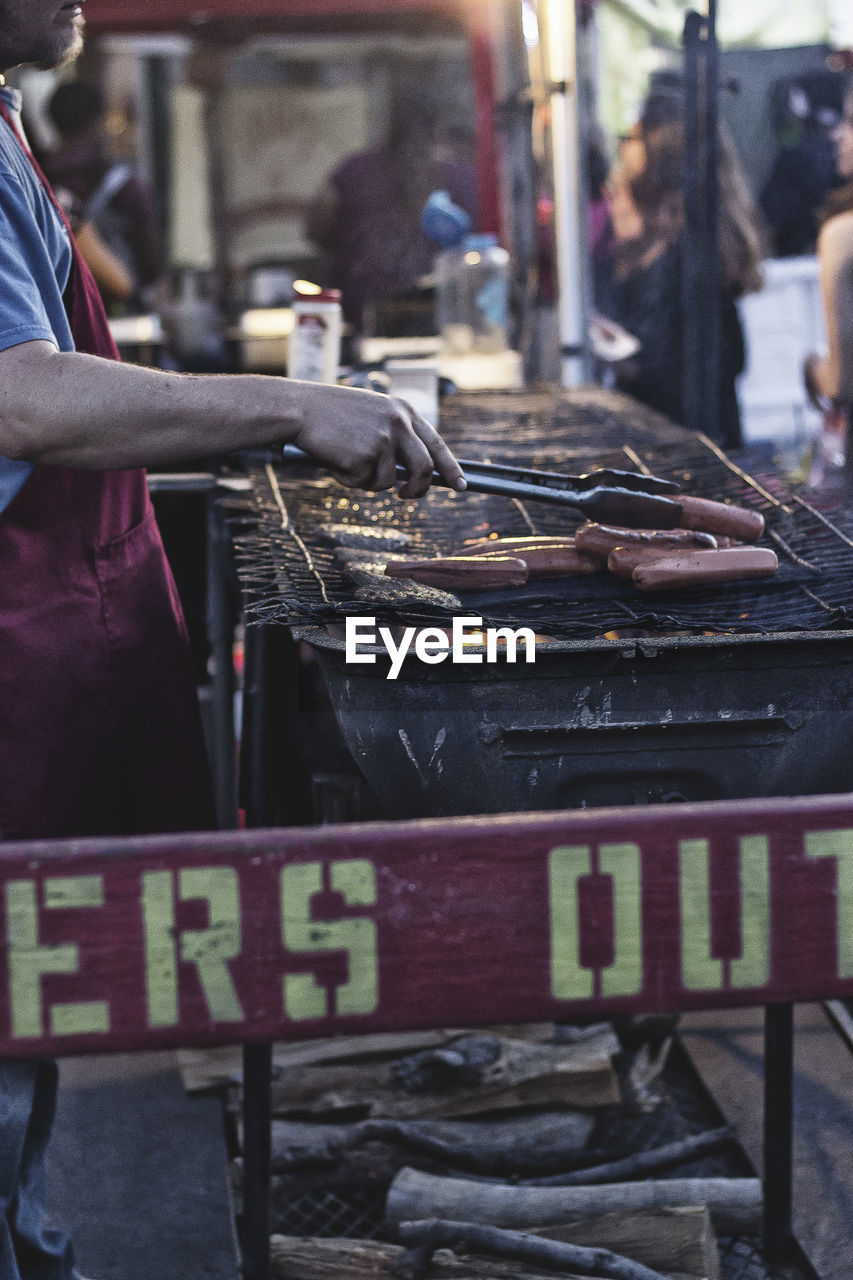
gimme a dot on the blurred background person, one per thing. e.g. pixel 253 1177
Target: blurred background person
pixel 368 219
pixel 829 377
pixel 804 173
pixel 640 283
pixel 105 195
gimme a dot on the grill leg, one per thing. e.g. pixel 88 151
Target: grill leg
pixel 220 624
pixel 257 1058
pixel 257 1124
pixel 778 1129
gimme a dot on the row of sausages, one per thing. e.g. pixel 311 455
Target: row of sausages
pixel 714 545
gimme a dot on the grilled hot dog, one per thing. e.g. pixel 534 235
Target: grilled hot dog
pixel 462 573
pixel 700 568
pixel 545 557
pixel 600 539
pixel 720 517
pixel 622 561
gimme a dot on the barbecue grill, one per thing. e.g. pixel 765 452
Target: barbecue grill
pixel 733 691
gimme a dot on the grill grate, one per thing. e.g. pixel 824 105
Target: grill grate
pixel 288 575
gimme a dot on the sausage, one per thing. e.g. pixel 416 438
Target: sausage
pixel 720 517
pixel 698 568
pixel 545 557
pixel 622 561
pixel 516 545
pixel 600 539
pixel 463 573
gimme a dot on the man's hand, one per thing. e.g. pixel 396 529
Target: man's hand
pixel 362 435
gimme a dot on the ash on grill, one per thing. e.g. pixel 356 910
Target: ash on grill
pixel 290 575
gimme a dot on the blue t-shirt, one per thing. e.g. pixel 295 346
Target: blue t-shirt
pixel 35 261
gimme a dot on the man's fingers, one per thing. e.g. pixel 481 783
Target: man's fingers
pixel 416 458
pixel 442 459
pixel 385 472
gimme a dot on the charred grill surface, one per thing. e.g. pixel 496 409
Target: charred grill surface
pixel 290 574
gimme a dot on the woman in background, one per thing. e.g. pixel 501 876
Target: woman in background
pixel 640 284
pixel 829 378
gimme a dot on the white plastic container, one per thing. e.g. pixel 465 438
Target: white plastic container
pixel 416 382
pixel 314 348
pixel 472 296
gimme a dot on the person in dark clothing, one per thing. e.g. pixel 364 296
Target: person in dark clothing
pixel 804 174
pixel 640 285
pixel 368 219
pixel 104 192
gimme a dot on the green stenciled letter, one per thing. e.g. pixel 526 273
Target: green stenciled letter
pixel 753 967
pixel 161 961
pixel 210 949
pixel 355 880
pixel 29 960
pixel 566 865
pixel 624 977
pixel 838 845
pixel 699 970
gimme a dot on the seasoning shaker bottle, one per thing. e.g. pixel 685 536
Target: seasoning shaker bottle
pixel 314 346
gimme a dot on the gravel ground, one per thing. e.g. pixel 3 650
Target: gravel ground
pixel 138 1172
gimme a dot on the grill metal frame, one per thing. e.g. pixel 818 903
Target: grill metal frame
pixel 731 692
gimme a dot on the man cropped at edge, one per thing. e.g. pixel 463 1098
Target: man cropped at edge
pixel 99 730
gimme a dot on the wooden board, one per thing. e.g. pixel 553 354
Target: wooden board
pixel 212 1068
pixel 523 1075
pixel 296 934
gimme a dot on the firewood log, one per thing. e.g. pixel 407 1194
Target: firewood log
pixel 735 1203
pixel 532 1142
pixel 643 1162
pixel 522 1075
pixel 295 1258
pixel 678 1242
pixel 425 1237
pixel 675 1241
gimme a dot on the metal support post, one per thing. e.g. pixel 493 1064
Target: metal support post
pixel 257 1125
pixel 711 248
pixel 257 1058
pixel 778 1130
pixel 221 637
pixel 701 255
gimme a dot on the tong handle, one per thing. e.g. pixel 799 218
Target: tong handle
pixel 613 506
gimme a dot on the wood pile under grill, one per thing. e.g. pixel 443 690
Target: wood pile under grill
pixel 513 1153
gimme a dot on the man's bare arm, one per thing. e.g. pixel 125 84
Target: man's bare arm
pixel 67 409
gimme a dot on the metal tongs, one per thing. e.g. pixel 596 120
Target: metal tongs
pixel 614 497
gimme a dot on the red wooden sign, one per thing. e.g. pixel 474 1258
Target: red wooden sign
pixel 202 939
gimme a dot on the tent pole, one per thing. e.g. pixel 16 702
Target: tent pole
pixel 568 213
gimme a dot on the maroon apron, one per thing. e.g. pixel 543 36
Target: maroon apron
pixel 99 725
